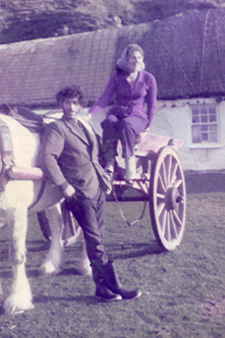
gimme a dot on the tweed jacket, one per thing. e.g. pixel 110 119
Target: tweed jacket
pixel 70 156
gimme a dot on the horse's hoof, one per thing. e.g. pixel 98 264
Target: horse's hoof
pixel 84 271
pixel 48 270
pixel 84 267
pixel 43 273
pixel 11 308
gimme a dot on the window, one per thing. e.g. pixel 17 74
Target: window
pixel 204 124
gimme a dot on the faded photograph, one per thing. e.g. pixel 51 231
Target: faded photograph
pixel 112 157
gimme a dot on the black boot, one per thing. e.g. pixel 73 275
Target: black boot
pixel 112 281
pixel 101 288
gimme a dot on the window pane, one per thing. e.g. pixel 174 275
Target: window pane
pixel 203 111
pixel 212 118
pixel 195 119
pixel 195 115
pixel 204 128
pixel 213 137
pixel 196 134
pixel 212 110
pixel 213 128
pixel 204 136
pixel 204 118
pixel 195 111
pixel 213 134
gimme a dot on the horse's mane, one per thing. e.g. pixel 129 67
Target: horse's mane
pixel 24 116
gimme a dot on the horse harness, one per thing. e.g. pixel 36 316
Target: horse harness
pixel 8 169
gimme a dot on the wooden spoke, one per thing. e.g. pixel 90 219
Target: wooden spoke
pixel 167 234
pixel 164 219
pixel 169 169
pixel 173 225
pixel 177 219
pixel 164 173
pixel 162 183
pixel 160 195
pixel 161 206
pixel 177 183
pixel 173 176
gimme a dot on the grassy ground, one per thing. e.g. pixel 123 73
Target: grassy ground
pixel 183 290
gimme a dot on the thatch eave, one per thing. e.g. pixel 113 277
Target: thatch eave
pixel 217 96
pixel 185 53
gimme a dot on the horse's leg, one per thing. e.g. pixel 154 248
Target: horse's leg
pixel 84 267
pixel 20 298
pixel 53 262
pixel 1 294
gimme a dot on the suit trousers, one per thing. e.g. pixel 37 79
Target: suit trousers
pixel 90 214
pixel 126 129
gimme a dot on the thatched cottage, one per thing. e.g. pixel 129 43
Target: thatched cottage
pixel 186 54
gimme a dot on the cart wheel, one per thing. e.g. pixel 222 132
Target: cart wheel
pixel 167 198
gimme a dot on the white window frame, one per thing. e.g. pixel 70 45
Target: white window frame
pixel 205 124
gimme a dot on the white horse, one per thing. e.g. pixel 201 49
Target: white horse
pixel 20 198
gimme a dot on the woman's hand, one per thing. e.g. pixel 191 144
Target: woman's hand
pixel 87 117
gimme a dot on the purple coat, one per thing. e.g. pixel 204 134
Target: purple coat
pixel 129 99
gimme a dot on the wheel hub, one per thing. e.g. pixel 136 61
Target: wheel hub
pixel 172 198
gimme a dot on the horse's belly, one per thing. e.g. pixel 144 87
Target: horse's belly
pixel 46 196
pixel 17 194
pixel 31 195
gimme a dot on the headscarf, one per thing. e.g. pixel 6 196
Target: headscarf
pixel 123 63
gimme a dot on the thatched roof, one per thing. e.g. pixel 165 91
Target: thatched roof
pixel 186 54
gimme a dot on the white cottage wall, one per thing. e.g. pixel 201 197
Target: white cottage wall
pixel 173 119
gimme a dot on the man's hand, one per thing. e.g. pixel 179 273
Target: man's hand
pixel 69 191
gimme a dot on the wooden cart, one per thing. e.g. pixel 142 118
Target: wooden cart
pixel 161 183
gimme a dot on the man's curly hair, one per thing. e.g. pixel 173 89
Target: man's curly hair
pixel 70 92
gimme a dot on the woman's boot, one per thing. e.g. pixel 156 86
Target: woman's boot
pixel 109 165
pixel 101 288
pixel 112 281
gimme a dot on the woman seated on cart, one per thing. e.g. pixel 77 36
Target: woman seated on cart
pixel 132 88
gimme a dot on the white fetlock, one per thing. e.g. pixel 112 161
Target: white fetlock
pixel 20 298
pixel 1 295
pixel 130 168
pixel 15 304
pixel 84 268
pixel 48 269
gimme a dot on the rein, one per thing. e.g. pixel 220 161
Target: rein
pixel 122 214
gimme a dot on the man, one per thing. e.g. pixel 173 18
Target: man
pixel 70 161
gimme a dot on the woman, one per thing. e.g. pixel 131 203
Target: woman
pixel 132 88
